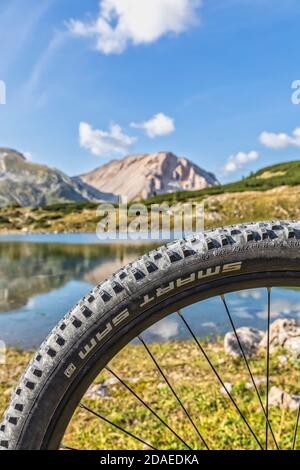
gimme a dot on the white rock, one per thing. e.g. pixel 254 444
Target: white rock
pixel 227 386
pixel 292 345
pixel 282 399
pixel 249 338
pixel 283 360
pixel 95 392
pixel 103 390
pixel 284 333
pixel 110 382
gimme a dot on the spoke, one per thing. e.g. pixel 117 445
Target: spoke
pixel 249 370
pixel 62 446
pixel 148 407
pixel 268 367
pixel 296 428
pixel 219 378
pixel 115 425
pixel 173 391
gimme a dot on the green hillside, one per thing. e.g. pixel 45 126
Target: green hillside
pixel 282 174
pixel 272 192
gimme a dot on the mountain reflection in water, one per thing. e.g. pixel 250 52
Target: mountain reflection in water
pixel 40 282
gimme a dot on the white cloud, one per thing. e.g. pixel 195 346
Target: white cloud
pixel 280 140
pixel 280 307
pixel 165 329
pixel 241 312
pixel 27 155
pixel 41 65
pixel 157 126
pixel 209 324
pixel 124 22
pixel 239 160
pixel 31 93
pixel 104 143
pixel 255 294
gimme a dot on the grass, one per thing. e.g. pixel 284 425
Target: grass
pixel 270 193
pixel 196 385
pixel 225 208
pixel 282 174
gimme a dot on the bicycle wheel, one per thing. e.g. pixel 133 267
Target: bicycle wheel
pixel 170 279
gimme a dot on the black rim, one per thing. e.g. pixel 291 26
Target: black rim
pixel 220 287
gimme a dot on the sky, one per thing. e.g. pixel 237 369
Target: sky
pixel 211 80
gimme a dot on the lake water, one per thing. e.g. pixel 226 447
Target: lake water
pixel 42 277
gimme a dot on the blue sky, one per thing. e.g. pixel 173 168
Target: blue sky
pixel 209 80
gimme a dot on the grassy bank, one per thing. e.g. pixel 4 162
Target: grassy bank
pixel 196 385
pixel 226 208
pixel 271 193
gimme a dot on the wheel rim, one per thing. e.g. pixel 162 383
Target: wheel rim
pixel 266 439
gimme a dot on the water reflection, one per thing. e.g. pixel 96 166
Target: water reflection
pixel 29 269
pixel 39 282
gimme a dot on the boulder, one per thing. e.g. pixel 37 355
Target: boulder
pixel 284 333
pixel 250 338
pixel 101 390
pixel 279 398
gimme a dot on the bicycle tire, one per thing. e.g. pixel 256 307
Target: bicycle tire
pixel 137 296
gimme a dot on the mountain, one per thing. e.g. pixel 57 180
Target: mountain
pixel 29 184
pixel 145 175
pixel 271 193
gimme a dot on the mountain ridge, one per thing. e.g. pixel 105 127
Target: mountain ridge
pixel 152 173
pixel 25 183
pixel 272 192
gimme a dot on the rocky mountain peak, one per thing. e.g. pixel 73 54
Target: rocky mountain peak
pixel 136 177
pixel 25 183
pixel 8 155
pixel 143 175
pixel 11 153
